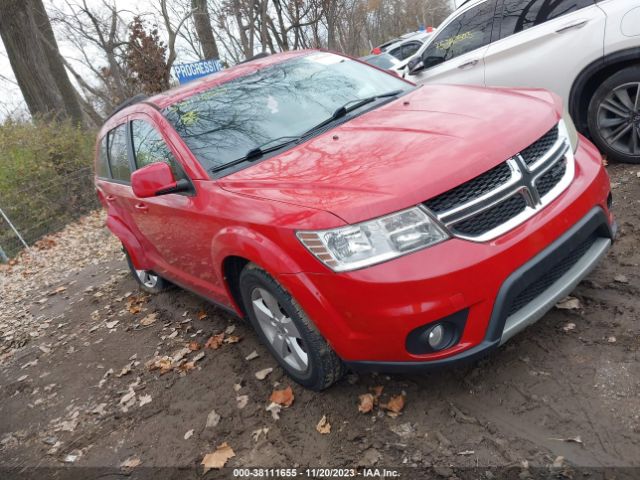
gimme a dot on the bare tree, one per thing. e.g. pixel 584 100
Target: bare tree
pixel 36 61
pixel 202 24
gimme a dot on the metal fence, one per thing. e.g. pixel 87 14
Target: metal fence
pixel 43 205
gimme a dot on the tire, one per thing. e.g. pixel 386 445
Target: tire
pixel 290 335
pixel 614 116
pixel 147 280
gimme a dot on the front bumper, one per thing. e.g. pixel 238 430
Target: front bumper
pixel 367 315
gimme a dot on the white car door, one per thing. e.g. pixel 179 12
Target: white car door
pixel 455 54
pixel 544 43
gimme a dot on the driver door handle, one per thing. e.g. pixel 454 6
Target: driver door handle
pixel 469 64
pixel 141 207
pixel 572 26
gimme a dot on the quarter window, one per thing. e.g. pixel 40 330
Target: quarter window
pixel 465 33
pixel 118 158
pixel 518 15
pixel 409 49
pixel 149 147
pixel 102 167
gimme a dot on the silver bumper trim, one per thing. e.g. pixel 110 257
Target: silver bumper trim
pixel 535 310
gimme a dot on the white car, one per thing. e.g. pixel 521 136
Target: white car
pixel 586 51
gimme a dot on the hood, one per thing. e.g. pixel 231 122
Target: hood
pixel 403 153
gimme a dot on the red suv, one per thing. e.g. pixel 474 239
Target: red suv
pixel 355 219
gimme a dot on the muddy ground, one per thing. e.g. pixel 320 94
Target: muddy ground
pixel 79 344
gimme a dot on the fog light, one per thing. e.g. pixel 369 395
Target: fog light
pixel 436 337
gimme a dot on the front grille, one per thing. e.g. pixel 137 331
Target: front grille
pixel 546 279
pixel 481 208
pixel 471 189
pixel 492 217
pixel 551 178
pixel 537 149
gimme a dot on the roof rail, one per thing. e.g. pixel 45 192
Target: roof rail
pixel 140 97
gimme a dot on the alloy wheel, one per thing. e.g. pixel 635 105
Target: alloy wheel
pixel 618 118
pixel 279 329
pixel 147 278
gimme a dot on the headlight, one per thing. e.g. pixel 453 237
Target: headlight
pixel 568 129
pixel 374 241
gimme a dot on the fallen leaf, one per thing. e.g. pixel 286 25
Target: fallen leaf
pixel 395 405
pixel 131 462
pixel 568 303
pixel 612 339
pixel 112 324
pixel 262 374
pixel 149 319
pixel 193 346
pixel 621 278
pixel 274 408
pixel 242 401
pixel 215 341
pixel 282 397
pixel 213 419
pixel 253 355
pixel 558 462
pixel 144 399
pixel 259 432
pixel 366 403
pixel 202 315
pixel 230 329
pixel 323 426
pixel 188 435
pixel 569 326
pixel 218 458
pixel 232 339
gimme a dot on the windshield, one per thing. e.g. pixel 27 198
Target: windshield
pixel 287 99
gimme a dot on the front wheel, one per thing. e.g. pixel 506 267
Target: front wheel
pixel 614 116
pixel 287 332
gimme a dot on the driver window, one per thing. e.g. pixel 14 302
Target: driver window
pixel 149 147
pixel 465 33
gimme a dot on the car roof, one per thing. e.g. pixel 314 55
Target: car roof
pixel 415 36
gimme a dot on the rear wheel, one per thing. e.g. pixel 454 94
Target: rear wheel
pixel 287 332
pixel 614 116
pixel 148 280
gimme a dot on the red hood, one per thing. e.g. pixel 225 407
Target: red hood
pixel 404 152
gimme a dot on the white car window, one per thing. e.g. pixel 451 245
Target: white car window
pixel 518 15
pixel 468 31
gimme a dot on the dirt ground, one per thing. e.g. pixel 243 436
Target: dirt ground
pixel 93 373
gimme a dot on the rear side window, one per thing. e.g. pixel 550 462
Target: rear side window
pixel 409 49
pixel 102 167
pixel 465 33
pixel 518 15
pixel 149 147
pixel 118 158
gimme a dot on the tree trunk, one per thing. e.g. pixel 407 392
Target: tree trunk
pixel 30 60
pixel 202 23
pixel 68 93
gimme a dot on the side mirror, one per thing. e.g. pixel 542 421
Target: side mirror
pixel 156 179
pixel 415 65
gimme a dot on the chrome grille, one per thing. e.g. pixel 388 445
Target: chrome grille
pixel 505 196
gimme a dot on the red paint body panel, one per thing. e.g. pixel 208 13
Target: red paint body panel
pixel 388 159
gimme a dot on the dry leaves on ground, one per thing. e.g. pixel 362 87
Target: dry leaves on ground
pixel 131 462
pixel 218 458
pixel 262 374
pixel 568 303
pixel 395 404
pixel 282 397
pixel 149 319
pixel 365 404
pixel 215 341
pixel 323 426
pixel 202 315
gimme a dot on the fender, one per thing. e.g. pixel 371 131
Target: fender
pixel 243 242
pixel 591 77
pixel 130 242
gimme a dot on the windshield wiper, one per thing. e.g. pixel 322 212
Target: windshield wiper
pixel 350 106
pixel 340 112
pixel 258 151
